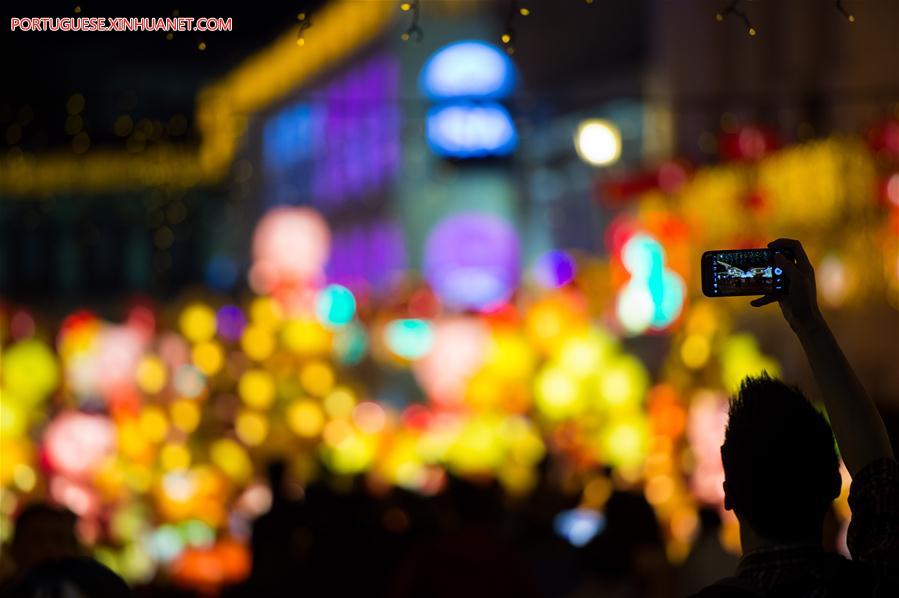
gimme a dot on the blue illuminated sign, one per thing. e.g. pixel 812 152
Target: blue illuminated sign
pixel 465 79
pixel 468 69
pixel 471 130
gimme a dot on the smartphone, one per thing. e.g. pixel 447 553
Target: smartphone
pixel 737 272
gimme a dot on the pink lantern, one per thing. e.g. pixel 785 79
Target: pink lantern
pixel 290 249
pixel 120 349
pixel 457 351
pixel 76 443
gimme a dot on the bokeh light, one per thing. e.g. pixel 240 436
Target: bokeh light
pixel 198 322
pixel 409 338
pixel 579 526
pixel 257 388
pixel 76 443
pixel 473 260
pixel 156 430
pixel 654 295
pixel 458 349
pixel 471 130
pixel 554 269
pixel 305 418
pixel 30 371
pixel 468 69
pixel 598 142
pixel 335 306
pixel 290 249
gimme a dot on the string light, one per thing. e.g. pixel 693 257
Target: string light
pixel 414 31
pixel 170 36
pixel 733 9
pixel 849 16
pixel 254 84
pixel 305 19
pixel 508 36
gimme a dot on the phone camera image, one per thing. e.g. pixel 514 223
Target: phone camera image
pixel 744 272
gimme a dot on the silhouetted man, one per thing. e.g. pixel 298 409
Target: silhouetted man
pixel 43 532
pixel 782 471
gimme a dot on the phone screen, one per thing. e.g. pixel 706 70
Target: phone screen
pixel 741 272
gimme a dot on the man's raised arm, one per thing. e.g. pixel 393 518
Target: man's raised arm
pixel 857 425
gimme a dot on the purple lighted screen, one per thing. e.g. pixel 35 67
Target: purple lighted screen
pixel 339 145
pixel 473 261
pixel 372 253
pixel 335 150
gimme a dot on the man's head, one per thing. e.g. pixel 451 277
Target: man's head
pixel 43 532
pixel 780 463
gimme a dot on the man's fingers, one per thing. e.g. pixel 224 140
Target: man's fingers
pixel 784 243
pixel 762 301
pixel 795 248
pixel 787 265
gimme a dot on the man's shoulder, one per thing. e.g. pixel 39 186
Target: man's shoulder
pixel 874 501
pixel 834 576
pixel 729 587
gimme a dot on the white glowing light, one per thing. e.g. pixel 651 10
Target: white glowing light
pixel 179 486
pixel 833 280
pixel 598 142
pixel 635 308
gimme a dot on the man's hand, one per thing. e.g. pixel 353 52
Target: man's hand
pixel 856 423
pixel 800 304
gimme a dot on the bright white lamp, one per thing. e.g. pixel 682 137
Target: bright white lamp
pixel 598 142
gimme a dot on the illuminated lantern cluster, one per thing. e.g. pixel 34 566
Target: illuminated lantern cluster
pixel 171 447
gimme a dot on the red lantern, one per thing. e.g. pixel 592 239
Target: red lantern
pixel 750 142
pixel 884 138
pixel 669 177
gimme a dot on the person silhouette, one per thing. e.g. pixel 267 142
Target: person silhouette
pixel 472 557
pixel 43 532
pixel 280 543
pixel 71 576
pixel 782 470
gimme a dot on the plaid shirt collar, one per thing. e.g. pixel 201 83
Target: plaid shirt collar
pixel 765 565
